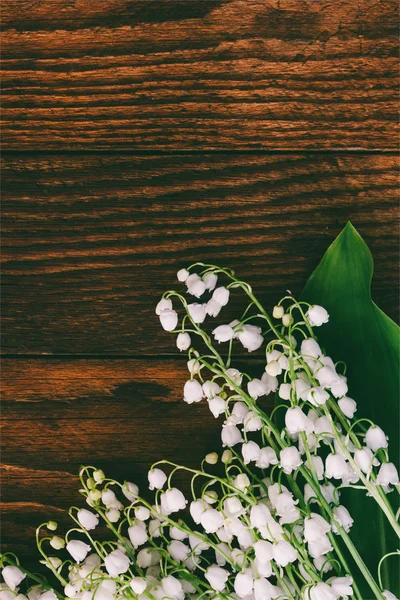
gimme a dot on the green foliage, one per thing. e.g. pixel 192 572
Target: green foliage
pixel 367 340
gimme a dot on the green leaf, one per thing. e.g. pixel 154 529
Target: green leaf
pixel 367 340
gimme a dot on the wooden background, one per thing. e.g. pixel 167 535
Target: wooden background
pixel 139 136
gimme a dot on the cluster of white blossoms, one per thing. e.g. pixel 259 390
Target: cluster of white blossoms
pixel 263 520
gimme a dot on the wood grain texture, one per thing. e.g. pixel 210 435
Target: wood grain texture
pixel 215 74
pixel 91 242
pixel 121 415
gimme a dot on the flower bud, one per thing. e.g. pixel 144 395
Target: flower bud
pixel 99 476
pixel 278 312
pixel 211 458
pixel 287 320
pixel 227 457
pixel 57 542
pixel 52 526
pixel 182 275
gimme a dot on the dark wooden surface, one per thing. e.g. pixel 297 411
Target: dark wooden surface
pixel 140 136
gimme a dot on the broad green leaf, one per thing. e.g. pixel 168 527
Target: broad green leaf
pixel 361 335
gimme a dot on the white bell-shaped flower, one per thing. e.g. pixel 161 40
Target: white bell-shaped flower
pixel 235 376
pixel 78 550
pixel 217 406
pixel 321 591
pixel 250 452
pixel 142 513
pixel 342 586
pixel 116 563
pixel 197 507
pixel 241 482
pixel 156 478
pixel 210 281
pixel 216 577
pixel 342 515
pixel 375 438
pixel 389 596
pixel 263 550
pixel 290 459
pixel 213 308
pixel 250 337
pixel 265 590
pixel 230 435
pixel 270 382
pixel 296 420
pixel 130 490
pixel 244 583
pixel 197 312
pixel 164 304
pixel 196 288
pixel 284 553
pixel 315 527
pixel 318 466
pixel 173 588
pixel 348 406
pixel 317 315
pixel 317 396
pixel 192 391
pixel 211 520
pixel 183 341
pixel 138 585
pixel 178 550
pixel 285 391
pixel 256 388
pixel 267 457
pixel 310 347
pixel 172 500
pixel 223 333
pixel 137 535
pixel 365 460
pixel 320 547
pixel 260 515
pixel 211 389
pixel 168 319
pixel 12 576
pixel 221 295
pixel 387 475
pixel 197 544
pixel 87 519
pixel 335 466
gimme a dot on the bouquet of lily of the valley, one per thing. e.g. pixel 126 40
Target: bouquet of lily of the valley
pixel 268 516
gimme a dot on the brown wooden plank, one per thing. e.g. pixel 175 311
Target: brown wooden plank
pixel 215 74
pixel 121 415
pixel 91 242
